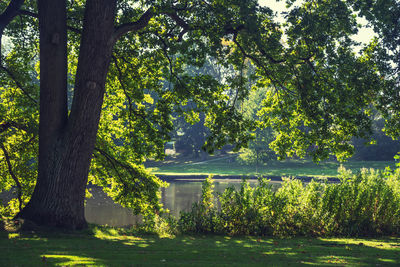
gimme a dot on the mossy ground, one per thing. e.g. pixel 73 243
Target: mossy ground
pixel 101 246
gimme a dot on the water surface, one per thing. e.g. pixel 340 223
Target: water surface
pixel 179 196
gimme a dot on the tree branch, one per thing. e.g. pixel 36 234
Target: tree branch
pixel 28 13
pixel 6 125
pixel 142 22
pixel 113 161
pixel 180 22
pixel 35 15
pixel 8 15
pixel 13 176
pixel 121 82
pixel 19 85
pixel 11 11
pixel 259 64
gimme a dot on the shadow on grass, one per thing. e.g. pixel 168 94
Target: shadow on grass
pixel 107 247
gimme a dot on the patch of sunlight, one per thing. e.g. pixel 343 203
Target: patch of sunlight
pixel 219 244
pixel 72 260
pixel 293 254
pixel 98 233
pixel 13 235
pixel 332 260
pixel 309 263
pixel 284 249
pixel 381 244
pixel 132 243
pixel 143 245
pixel 166 235
pixel 387 260
pixel 113 235
pixel 260 240
pixel 238 241
pixel 271 252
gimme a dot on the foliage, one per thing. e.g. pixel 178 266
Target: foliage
pixel 190 137
pixel 383 16
pixel 382 148
pixel 312 114
pixel 202 218
pixel 257 150
pixel 190 132
pixel 362 204
pixel 18 130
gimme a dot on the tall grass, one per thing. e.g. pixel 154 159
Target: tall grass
pixel 363 204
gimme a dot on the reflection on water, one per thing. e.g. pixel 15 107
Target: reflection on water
pixel 100 209
pixel 179 196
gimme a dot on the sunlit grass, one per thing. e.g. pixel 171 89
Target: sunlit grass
pixel 71 260
pixel 102 246
pixel 273 168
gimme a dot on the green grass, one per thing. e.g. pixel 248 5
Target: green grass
pixel 109 247
pixel 273 168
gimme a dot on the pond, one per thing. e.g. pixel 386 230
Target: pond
pixel 179 196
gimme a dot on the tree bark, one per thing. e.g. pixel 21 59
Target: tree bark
pixel 66 143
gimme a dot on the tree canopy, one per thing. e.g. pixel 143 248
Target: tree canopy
pixel 131 60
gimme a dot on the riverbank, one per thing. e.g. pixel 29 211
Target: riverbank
pixel 236 178
pixel 223 167
pixel 104 246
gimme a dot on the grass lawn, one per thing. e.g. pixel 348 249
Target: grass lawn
pixel 108 247
pixel 274 168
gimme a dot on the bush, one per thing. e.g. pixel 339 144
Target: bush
pixel 203 216
pixel 362 204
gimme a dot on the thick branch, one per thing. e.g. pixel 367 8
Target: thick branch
pixel 13 176
pixel 11 11
pixel 259 64
pixel 179 21
pixel 142 22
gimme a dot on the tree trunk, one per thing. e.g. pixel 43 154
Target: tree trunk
pixel 66 143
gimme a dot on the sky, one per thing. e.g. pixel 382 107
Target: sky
pixel 364 35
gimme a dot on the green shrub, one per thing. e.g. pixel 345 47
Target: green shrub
pixel 362 204
pixel 203 216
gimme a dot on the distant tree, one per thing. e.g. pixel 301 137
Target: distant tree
pixel 257 150
pixel 382 148
pixel 383 16
pixel 190 137
pixel 191 131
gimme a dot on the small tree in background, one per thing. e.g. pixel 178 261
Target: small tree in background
pixel 258 151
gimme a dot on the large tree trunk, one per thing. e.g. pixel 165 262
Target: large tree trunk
pixel 66 143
